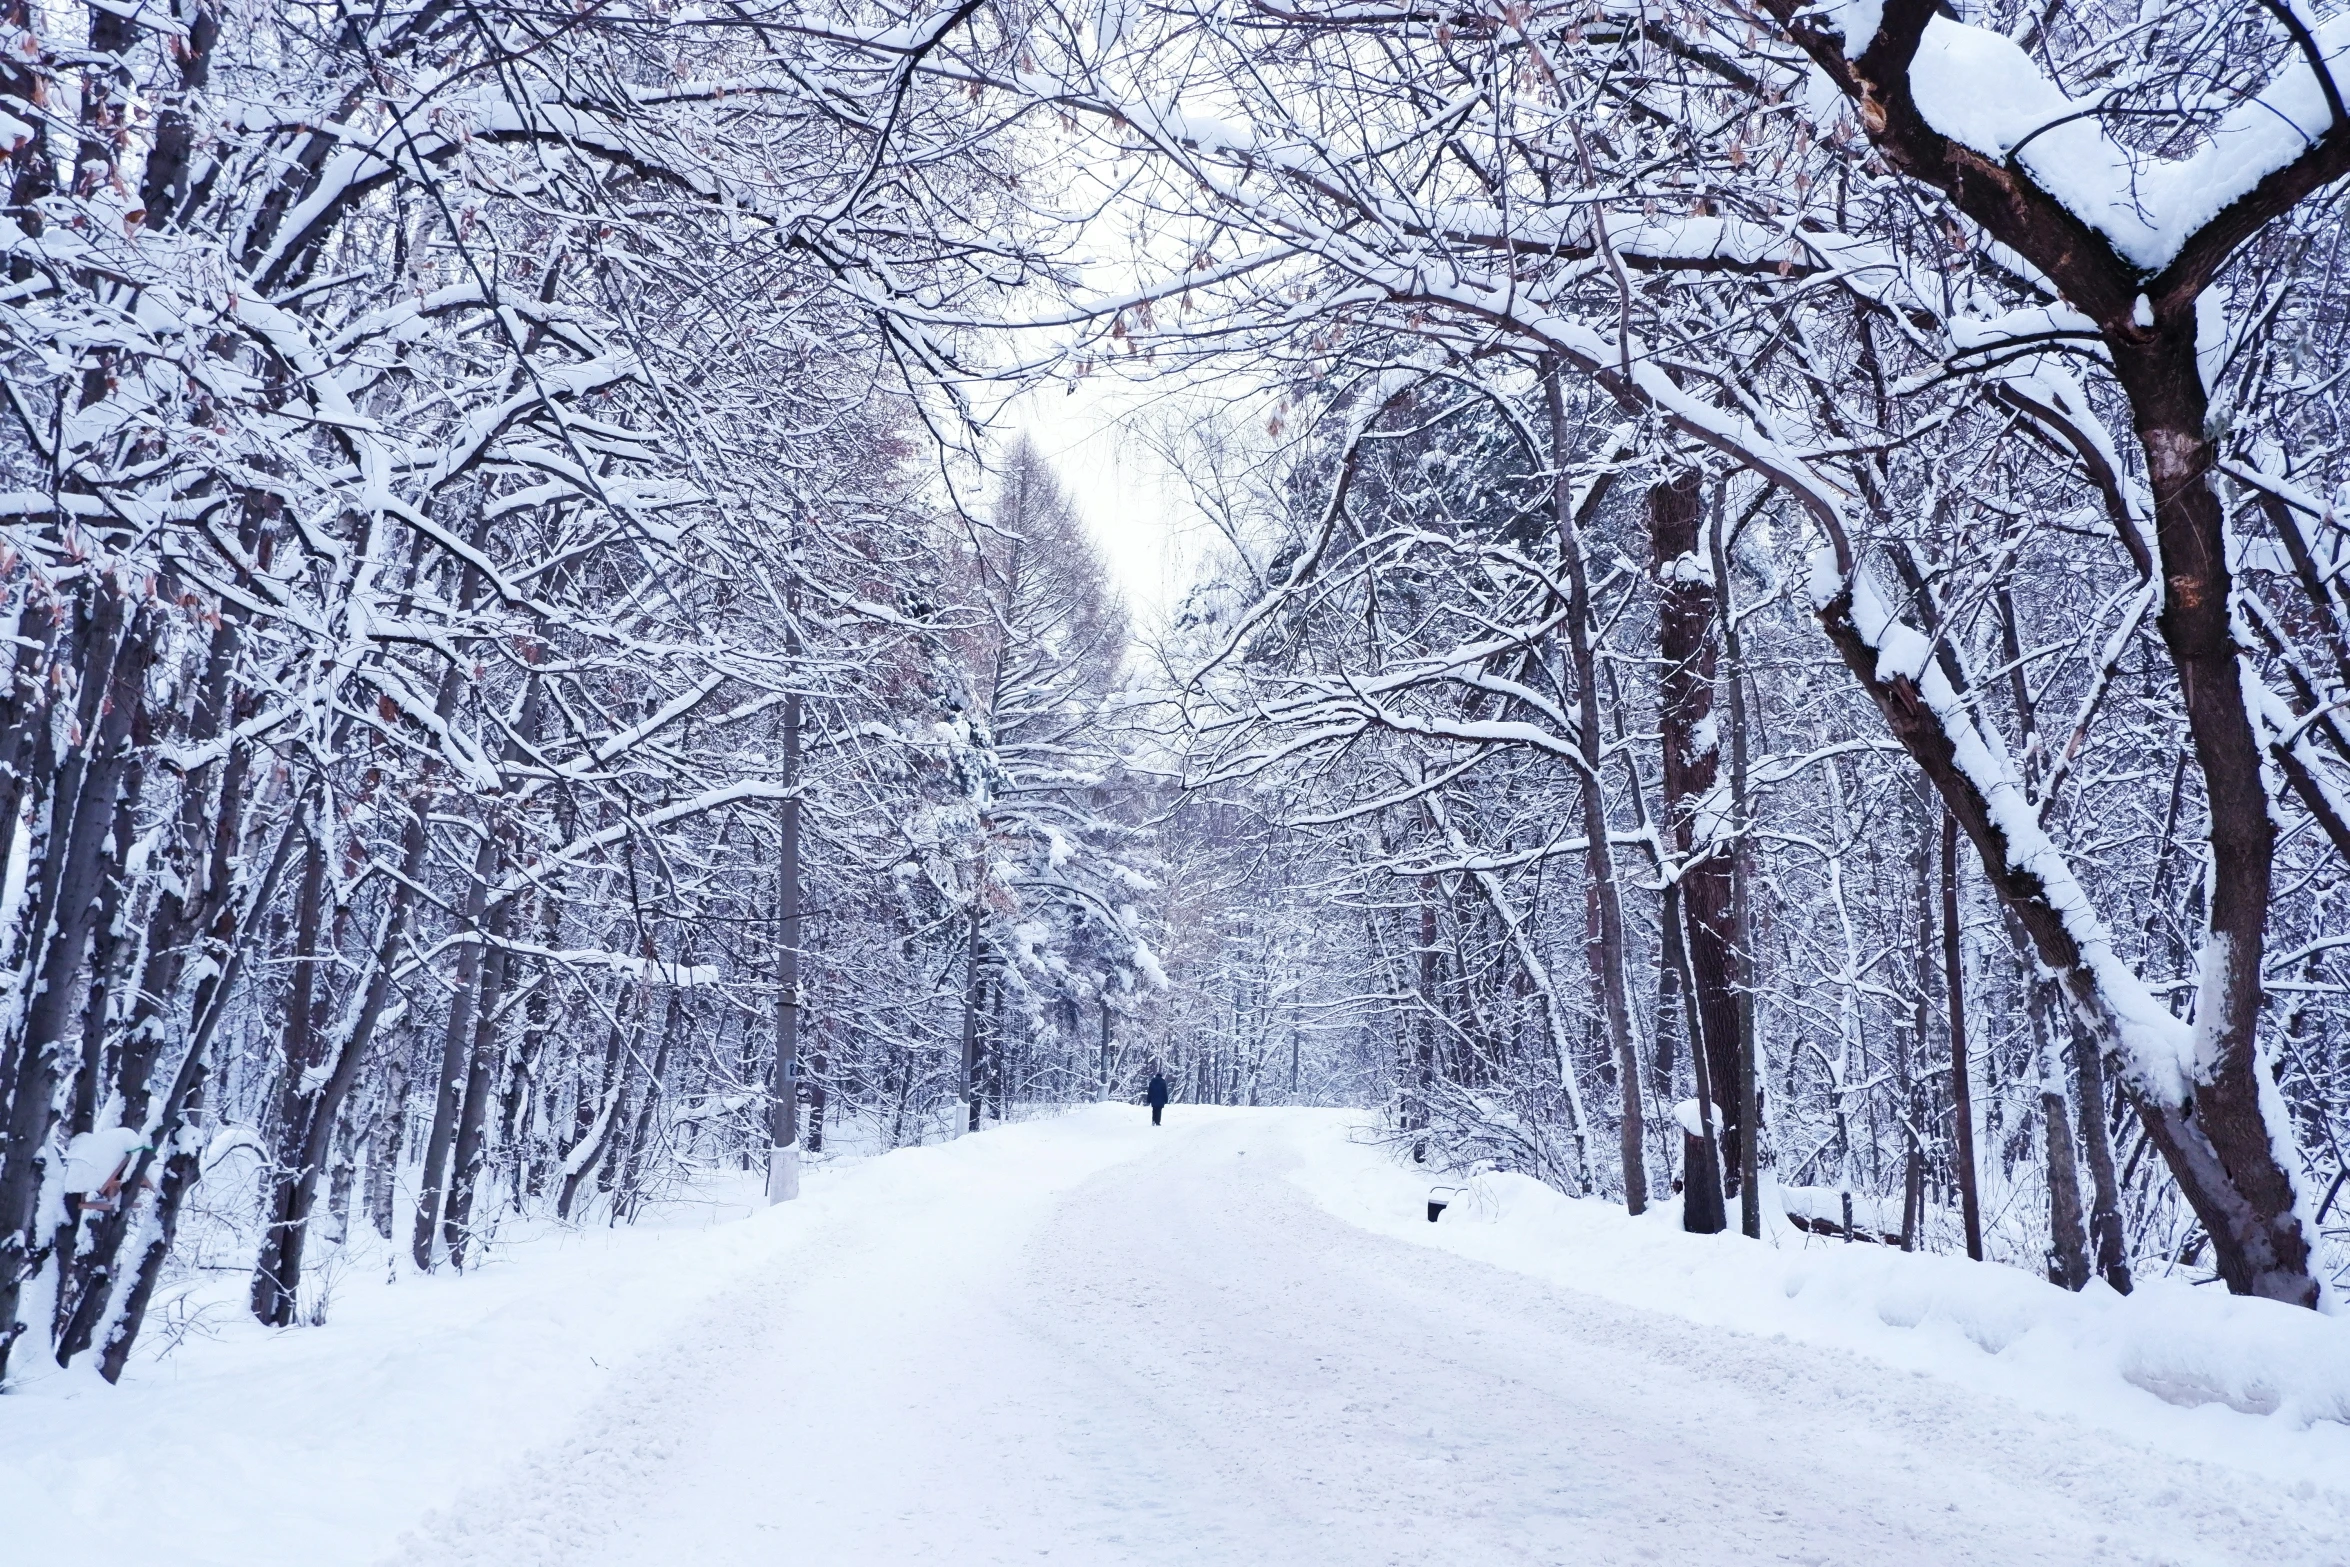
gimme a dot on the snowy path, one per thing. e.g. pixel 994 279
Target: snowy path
pixel 1115 1350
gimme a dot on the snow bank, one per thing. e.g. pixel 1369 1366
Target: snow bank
pixel 342 1434
pixel 237 1445
pixel 510 1396
pixel 2248 1383
pixel 1811 1207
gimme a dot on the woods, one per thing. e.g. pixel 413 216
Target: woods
pixel 1768 631
pixel 1892 283
pixel 461 513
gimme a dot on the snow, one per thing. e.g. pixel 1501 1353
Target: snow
pixel 2188 1372
pixel 1981 89
pixel 1705 736
pixel 1231 1340
pixel 1902 653
pixel 1686 1112
pixel 1858 21
pixel 2158 1050
pixel 1820 1205
pixel 94 1156
pixel 1989 335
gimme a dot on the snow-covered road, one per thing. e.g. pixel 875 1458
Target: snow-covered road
pixel 1099 1344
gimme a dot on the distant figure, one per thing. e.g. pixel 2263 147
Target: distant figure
pixel 1157 1095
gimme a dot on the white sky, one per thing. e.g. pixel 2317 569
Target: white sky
pixel 1136 511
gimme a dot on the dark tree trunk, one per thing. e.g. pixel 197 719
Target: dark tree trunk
pixel 226 945
pixel 1688 614
pixel 632 1159
pixel 196 915
pixel 1607 941
pixel 73 878
pixel 998 1046
pixel 2209 1119
pixel 2105 1201
pixel 24 740
pixel 467 1158
pixel 109 956
pixel 819 1093
pixel 1918 1052
pixel 276 1278
pixel 521 1148
pixel 163 189
pixel 456 1043
pixel 180 1171
pixel 108 952
pixel 783 1089
pixel 1703 1211
pixel 1740 967
pixel 972 997
pixel 1962 1093
pixel 2068 1237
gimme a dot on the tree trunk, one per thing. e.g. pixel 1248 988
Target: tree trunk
pixel 1689 615
pixel 1740 967
pixel 1421 1071
pixel 1919 1051
pixel 593 1126
pixel 389 1139
pixel 998 1047
pixel 180 1171
pixel 971 999
pixel 2105 1202
pixel 519 1105
pixel 818 1096
pixel 1703 1211
pixel 73 876
pixel 2204 1099
pixel 2068 1237
pixel 24 740
pixel 277 1275
pixel 110 955
pixel 1607 942
pixel 632 1158
pixel 456 1041
pixel 1962 1094
pixel 2241 1194
pixel 783 1158
pixel 467 1158
pixel 226 946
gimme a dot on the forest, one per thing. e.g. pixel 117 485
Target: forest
pixel 1770 633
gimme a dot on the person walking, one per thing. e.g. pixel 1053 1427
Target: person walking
pixel 1157 1095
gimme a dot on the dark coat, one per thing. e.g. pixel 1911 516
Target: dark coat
pixel 1157 1094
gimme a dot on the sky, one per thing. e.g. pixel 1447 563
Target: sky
pixel 1135 509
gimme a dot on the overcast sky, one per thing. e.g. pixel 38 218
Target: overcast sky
pixel 1135 510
